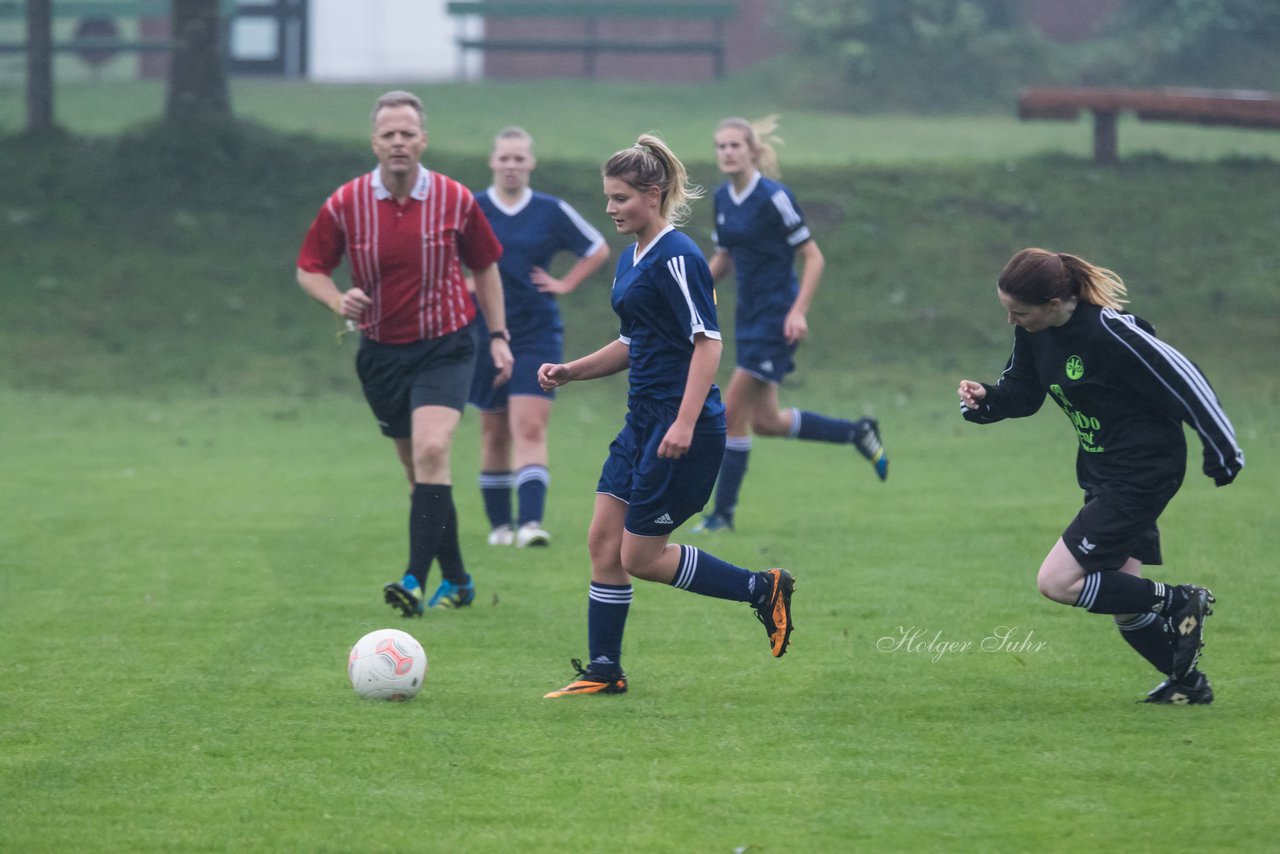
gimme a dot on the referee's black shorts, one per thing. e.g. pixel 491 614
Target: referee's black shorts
pixel 399 378
pixel 1115 525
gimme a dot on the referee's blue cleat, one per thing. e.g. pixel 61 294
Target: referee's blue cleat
pixel 1186 625
pixel 450 595
pixel 405 595
pixel 774 610
pixel 713 522
pixel 1192 690
pixel 867 440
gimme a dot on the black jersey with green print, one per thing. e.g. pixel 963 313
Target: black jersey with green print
pixel 1126 393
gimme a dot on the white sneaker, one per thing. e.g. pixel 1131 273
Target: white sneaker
pixel 502 536
pixel 531 534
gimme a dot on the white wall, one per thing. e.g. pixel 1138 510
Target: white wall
pixel 382 41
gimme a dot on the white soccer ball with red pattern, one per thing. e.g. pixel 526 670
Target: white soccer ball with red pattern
pixel 387 665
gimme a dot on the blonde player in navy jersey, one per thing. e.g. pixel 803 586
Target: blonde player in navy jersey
pixel 1127 395
pixel 759 232
pixel 532 228
pixel 662 466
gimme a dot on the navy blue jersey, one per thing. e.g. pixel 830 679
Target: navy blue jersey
pixel 664 296
pixel 531 233
pixel 760 230
pixel 1126 393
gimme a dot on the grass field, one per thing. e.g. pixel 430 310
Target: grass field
pixel 198 515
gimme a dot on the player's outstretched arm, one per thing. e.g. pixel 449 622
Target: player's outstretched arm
pixel 610 359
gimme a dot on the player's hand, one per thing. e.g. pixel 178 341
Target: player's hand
pixel 353 304
pixel 547 283
pixel 552 375
pixel 795 328
pixel 500 352
pixel 677 441
pixel 971 393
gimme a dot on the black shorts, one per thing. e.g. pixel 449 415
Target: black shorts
pixel 1113 527
pixel 399 378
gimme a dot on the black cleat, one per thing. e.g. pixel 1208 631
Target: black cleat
pixel 1193 690
pixel 406 596
pixel 1186 626
pixel 775 610
pixel 867 441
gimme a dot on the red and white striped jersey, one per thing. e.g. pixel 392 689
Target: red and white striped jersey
pixel 408 258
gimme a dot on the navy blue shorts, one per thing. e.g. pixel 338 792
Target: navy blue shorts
pixel 1114 526
pixel 769 361
pixel 399 378
pixel 661 493
pixel 524 375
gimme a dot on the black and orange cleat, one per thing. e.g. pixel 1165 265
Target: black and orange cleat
pixel 591 682
pixel 775 610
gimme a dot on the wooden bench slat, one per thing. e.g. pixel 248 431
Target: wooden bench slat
pixel 1222 107
pixel 595 9
pixel 549 45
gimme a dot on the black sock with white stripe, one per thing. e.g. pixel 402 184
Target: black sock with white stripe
pixel 607 607
pixel 1114 592
pixel 1147 635
pixel 708 575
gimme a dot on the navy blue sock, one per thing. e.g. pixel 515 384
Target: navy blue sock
pixel 429 509
pixel 1147 635
pixel 495 488
pixel 708 575
pixel 821 428
pixel 531 488
pixel 607 606
pixel 732 470
pixel 1114 592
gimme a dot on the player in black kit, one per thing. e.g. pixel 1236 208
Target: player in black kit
pixel 1126 393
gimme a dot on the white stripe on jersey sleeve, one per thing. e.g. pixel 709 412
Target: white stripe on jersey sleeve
pixel 790 216
pixel 588 230
pixel 1183 368
pixel 676 267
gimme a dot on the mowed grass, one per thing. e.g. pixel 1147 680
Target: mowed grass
pixel 198 515
pixel 586 121
pixel 182 580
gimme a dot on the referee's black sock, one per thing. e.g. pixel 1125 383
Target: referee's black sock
pixel 450 553
pixel 429 509
pixel 1115 592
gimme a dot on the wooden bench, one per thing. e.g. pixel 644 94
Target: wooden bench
pixel 1236 108
pixel 585 19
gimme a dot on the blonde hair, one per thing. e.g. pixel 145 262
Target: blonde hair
pixel 762 139
pixel 649 163
pixel 1035 276
pixel 399 98
pixel 513 132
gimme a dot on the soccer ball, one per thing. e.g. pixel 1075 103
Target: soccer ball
pixel 387 665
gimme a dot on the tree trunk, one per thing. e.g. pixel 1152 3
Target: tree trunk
pixel 39 66
pixel 197 75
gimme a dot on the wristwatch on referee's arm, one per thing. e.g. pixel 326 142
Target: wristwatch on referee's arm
pixel 495 334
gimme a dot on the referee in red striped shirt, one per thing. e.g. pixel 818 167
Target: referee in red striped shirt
pixel 406 233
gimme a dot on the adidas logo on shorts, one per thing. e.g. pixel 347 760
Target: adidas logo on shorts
pixel 664 519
